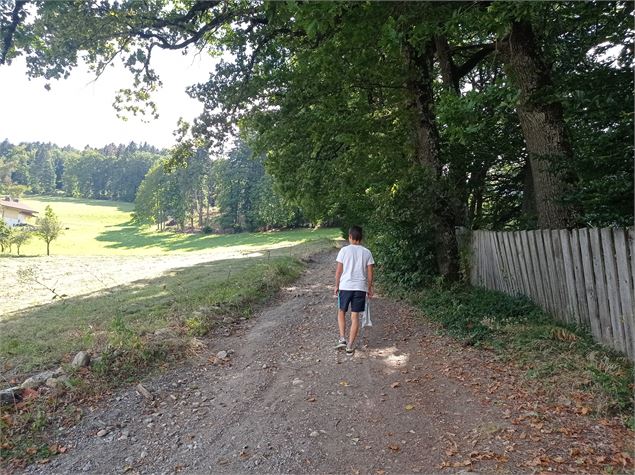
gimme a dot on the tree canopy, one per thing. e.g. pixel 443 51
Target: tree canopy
pixel 409 118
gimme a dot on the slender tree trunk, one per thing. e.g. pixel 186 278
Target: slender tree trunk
pixel 428 155
pixel 542 123
pixel 477 185
pixel 529 200
pixel 457 171
pixel 449 73
pixel 48 244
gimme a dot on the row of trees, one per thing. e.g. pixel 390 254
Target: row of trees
pixel 231 194
pixel 410 118
pixel 113 172
pixel 48 228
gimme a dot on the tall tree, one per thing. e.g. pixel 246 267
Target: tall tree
pixel 42 170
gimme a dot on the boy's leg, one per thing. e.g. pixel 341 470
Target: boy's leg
pixel 341 322
pixel 357 305
pixel 344 298
pixel 354 328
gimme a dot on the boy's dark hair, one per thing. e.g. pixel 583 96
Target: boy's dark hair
pixel 355 233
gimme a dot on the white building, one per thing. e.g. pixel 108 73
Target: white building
pixel 15 213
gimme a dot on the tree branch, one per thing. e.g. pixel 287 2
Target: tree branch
pixel 7 40
pixel 473 60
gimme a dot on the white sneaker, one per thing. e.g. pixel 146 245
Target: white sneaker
pixel 341 344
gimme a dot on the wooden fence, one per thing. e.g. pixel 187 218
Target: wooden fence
pixel 583 276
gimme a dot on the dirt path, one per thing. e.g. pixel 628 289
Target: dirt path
pixel 286 402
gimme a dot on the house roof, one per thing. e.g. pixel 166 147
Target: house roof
pixel 19 206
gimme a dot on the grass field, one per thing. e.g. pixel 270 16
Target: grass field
pixel 105 274
pixel 97 228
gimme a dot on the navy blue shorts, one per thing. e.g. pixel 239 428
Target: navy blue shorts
pixel 355 298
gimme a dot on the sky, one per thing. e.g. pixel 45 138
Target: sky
pixel 78 111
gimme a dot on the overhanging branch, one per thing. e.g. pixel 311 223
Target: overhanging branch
pixel 7 37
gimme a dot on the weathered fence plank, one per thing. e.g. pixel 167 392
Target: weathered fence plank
pixel 589 280
pixel 517 273
pixel 535 266
pixel 569 276
pixel 522 249
pixel 552 273
pixel 544 271
pixel 612 289
pixel 625 284
pixel 578 276
pixel 600 285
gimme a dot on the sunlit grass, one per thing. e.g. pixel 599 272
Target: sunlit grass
pixel 95 227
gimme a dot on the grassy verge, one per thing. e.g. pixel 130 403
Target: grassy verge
pixel 556 356
pixel 121 325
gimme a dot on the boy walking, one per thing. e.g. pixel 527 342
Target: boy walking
pixel 353 283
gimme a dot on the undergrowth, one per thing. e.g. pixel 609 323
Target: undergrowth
pixel 561 356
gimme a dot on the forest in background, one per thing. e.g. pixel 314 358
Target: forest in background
pixel 224 194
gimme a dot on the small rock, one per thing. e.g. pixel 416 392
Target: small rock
pixel 143 391
pixel 95 361
pixel 221 355
pixel 37 379
pixel 81 359
pixel 102 433
pixel 264 366
pixel 314 434
pixel 297 381
pixel 11 395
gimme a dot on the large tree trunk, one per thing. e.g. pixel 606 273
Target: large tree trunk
pixel 542 123
pixel 427 154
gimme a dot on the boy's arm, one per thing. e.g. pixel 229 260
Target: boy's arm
pixel 370 280
pixel 338 274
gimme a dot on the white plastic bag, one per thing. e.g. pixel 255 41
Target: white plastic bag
pixel 366 322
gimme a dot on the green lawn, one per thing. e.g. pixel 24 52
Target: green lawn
pixel 220 273
pixel 97 227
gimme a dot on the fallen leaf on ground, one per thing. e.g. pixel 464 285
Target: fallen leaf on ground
pixel 409 407
pixel 396 384
pixel 394 447
pixel 343 383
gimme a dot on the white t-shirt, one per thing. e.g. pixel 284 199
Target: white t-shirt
pixel 355 259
